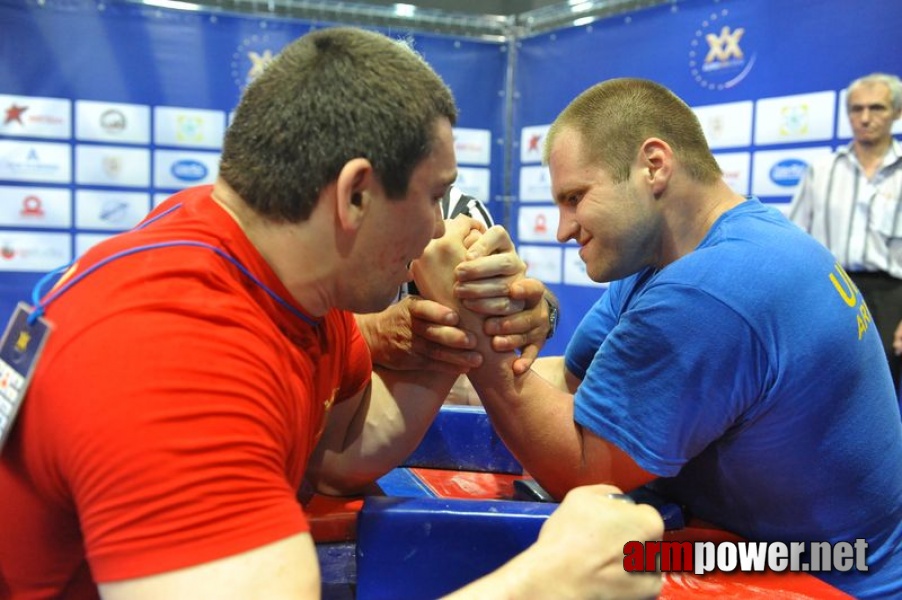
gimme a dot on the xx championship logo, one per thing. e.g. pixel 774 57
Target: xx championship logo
pixel 250 58
pixel 718 54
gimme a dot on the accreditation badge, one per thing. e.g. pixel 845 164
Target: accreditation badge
pixel 20 348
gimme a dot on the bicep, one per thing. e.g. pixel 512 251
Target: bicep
pixel 286 568
pixel 343 426
pixel 555 371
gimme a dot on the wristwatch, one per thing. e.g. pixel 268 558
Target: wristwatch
pixel 553 314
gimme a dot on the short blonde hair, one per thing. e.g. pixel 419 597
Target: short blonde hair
pixel 615 117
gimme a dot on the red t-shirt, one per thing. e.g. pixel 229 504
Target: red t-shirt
pixel 173 412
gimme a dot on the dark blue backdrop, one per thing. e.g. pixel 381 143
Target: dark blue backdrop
pixel 795 47
pixel 88 50
pixel 128 53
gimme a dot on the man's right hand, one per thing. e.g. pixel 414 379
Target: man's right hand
pixel 415 334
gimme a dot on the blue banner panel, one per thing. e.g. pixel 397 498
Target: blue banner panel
pixel 766 78
pixel 106 108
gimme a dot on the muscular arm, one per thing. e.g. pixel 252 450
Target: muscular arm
pixel 286 569
pixel 368 435
pixel 532 416
pixel 554 370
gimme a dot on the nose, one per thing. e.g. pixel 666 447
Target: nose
pixel 566 228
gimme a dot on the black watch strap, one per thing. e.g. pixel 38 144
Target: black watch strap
pixel 553 316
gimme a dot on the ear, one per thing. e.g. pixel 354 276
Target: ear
pixel 656 164
pixel 353 192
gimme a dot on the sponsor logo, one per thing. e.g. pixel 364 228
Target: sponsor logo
pixel 533 145
pixel 32 166
pixel 39 253
pixel 540 225
pixel 716 126
pixel 14 114
pixel 112 166
pixel 113 211
pixel 250 59
pixel 189 128
pixel 717 59
pixel 113 121
pixel 795 120
pixel 788 172
pixel 32 206
pixel 188 170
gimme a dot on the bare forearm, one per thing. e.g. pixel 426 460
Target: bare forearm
pixel 535 420
pixel 387 426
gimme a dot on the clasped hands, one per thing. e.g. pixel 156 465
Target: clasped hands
pixel 477 273
pixel 473 285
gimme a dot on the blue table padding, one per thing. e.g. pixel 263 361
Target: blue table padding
pixel 462 438
pixel 423 548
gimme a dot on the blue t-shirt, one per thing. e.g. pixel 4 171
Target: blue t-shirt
pixel 748 375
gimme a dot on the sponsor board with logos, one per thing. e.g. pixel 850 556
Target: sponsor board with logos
pixel 35 117
pixel 113 123
pixel 538 223
pixel 535 184
pixel 100 209
pixel 532 143
pixel 177 169
pixel 542 262
pixel 475 181
pixel 117 166
pixel 34 251
pixel 795 119
pixel 726 125
pixel 191 128
pixel 38 162
pixel 473 146
pixel 35 207
pixel 778 172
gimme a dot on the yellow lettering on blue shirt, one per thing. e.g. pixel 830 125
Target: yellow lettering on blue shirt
pixel 852 297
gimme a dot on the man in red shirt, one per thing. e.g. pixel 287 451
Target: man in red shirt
pixel 206 362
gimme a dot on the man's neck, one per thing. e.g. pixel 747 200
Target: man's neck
pixel 870 156
pixel 691 219
pixel 280 246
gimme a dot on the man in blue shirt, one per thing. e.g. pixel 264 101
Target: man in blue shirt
pixel 732 362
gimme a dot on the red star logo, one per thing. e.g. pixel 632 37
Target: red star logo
pixel 14 113
pixel 534 143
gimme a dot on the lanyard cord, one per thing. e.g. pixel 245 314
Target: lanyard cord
pixel 41 305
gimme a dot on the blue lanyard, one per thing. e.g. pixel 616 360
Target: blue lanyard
pixel 41 305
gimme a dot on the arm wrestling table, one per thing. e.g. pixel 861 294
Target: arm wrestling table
pixel 461 506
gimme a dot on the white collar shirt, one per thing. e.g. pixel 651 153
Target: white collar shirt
pixel 858 219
